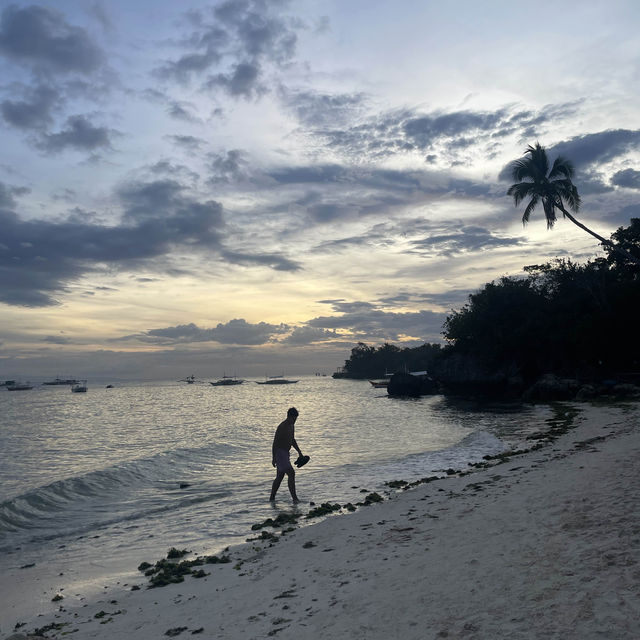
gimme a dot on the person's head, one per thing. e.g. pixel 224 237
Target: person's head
pixel 292 414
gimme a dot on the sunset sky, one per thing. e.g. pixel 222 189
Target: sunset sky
pixel 252 187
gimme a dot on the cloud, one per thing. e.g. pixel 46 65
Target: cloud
pixel 188 143
pixel 466 238
pixel 235 332
pixel 229 166
pixel 41 38
pixel 370 324
pixel 629 178
pixel 56 340
pixel 315 109
pixel 234 43
pixel 80 134
pixel 309 335
pixel 600 147
pixel 34 112
pixel 439 135
pixel 273 260
pixel 42 256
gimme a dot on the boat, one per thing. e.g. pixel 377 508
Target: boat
pixel 227 381
pixel 277 380
pixel 80 387
pixel 7 383
pixel 61 381
pixel 189 379
pixel 18 386
pixel 379 384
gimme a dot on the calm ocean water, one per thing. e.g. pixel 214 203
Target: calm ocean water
pixel 144 466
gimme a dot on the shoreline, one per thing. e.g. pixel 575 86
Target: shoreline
pixel 543 544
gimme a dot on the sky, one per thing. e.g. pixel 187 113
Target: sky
pixel 253 187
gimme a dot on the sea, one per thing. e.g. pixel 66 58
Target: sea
pixel 92 484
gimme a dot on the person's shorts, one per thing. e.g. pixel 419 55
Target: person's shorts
pixel 282 461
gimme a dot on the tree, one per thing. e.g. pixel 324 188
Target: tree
pixel 553 188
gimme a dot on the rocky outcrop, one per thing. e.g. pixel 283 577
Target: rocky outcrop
pixel 405 384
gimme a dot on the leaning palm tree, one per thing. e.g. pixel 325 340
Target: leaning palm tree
pixel 553 188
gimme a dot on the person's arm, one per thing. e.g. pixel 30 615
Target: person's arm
pixel 294 444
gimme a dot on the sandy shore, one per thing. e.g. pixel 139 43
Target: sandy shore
pixel 543 545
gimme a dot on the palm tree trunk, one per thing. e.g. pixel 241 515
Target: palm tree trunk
pixel 608 243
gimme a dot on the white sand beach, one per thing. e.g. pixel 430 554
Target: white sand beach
pixel 543 545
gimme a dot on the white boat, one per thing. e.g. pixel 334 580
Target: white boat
pixel 80 387
pixel 277 380
pixel 379 384
pixel 227 381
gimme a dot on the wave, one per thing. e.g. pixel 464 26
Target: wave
pixel 129 489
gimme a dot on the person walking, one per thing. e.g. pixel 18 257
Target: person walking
pixel 283 440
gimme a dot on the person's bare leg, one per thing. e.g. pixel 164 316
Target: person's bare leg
pixel 291 480
pixel 276 485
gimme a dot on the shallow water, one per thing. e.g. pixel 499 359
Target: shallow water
pixel 142 467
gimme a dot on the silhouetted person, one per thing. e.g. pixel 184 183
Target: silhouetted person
pixel 283 440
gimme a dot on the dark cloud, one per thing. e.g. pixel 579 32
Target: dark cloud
pixel 34 112
pixel 238 331
pixel 372 324
pixel 233 43
pixel 275 261
pixel 39 257
pixel 80 134
pixel 56 340
pixel 188 143
pixel 309 335
pixel 629 178
pixel 600 147
pixel 241 81
pixel 230 166
pixel 41 38
pixel 438 135
pixel 466 238
pixel 315 109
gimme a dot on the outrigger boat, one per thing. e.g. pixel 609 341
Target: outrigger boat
pixel 19 386
pixel 61 381
pixel 227 381
pixel 277 380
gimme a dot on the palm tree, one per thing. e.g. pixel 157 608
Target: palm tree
pixel 551 187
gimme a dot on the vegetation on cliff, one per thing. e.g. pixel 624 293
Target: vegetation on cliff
pixel 570 319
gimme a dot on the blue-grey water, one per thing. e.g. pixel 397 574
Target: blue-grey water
pixel 141 467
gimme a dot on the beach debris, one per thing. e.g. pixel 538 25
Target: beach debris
pixel 176 631
pixel 370 499
pixel 57 597
pixel 280 520
pixel 323 510
pixel 165 571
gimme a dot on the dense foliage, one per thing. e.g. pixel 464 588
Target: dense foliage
pixel 563 317
pixel 571 319
pixel 376 362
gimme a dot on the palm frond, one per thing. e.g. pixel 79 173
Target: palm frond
pixel 561 167
pixel 529 209
pixel 520 191
pixel 549 212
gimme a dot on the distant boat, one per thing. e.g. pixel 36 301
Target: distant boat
pixel 18 386
pixel 109 386
pixel 61 381
pixel 80 387
pixel 277 380
pixel 189 379
pixel 7 383
pixel 227 381
pixel 379 384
